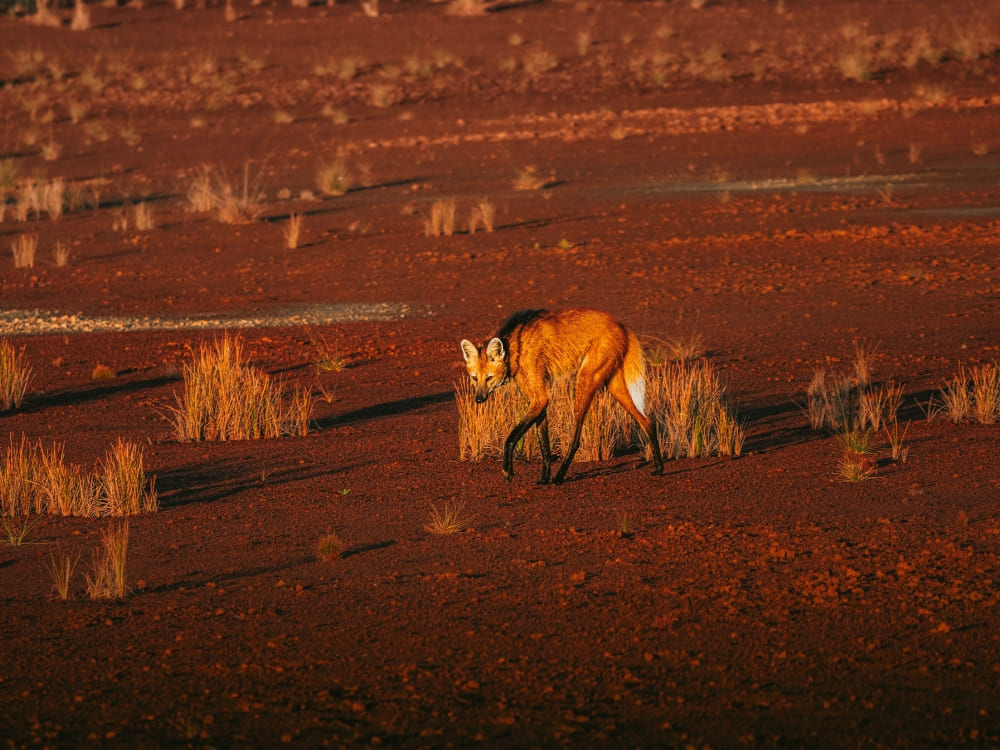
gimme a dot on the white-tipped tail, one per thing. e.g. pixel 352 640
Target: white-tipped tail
pixel 637 390
pixel 634 370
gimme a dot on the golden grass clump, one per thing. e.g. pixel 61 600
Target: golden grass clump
pixel 24 248
pixel 333 178
pixel 450 519
pixel 688 404
pixel 36 479
pixel 212 191
pixel 482 213
pixel 971 396
pixel 441 220
pixel 292 230
pixel 107 577
pixel 330 548
pixel 225 399
pixel 852 401
pixel 15 375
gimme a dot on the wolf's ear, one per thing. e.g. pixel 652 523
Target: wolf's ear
pixel 469 351
pixel 495 351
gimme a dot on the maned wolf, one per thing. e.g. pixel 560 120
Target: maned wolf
pixel 535 347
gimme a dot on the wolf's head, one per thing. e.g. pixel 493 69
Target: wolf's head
pixel 487 367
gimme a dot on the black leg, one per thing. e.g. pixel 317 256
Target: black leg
pixel 544 447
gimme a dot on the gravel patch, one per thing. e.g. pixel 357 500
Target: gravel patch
pixel 27 322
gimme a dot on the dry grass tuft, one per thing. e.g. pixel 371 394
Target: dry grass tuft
pixel 333 178
pixel 441 220
pixel 124 488
pixel 142 213
pixel 225 399
pixel 467 7
pixel 528 178
pixel 688 403
pixel 846 402
pixel 971 396
pixel 232 203
pixel 34 479
pixel 482 428
pixel 61 566
pixel 330 548
pixel 484 212
pixel 17 531
pixel 24 248
pixel 292 230
pixel 450 519
pixel 15 374
pixel 107 577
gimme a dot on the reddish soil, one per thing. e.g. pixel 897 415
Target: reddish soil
pixel 712 171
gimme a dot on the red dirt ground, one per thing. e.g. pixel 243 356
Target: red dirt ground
pixel 714 171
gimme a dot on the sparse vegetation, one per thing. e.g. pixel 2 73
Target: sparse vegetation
pixel 36 479
pixel 680 349
pixel 528 178
pixel 15 375
pixel 17 528
pixel 688 403
pixel 125 490
pixel 226 399
pixel 24 248
pixel 333 178
pixel 61 566
pixel 450 519
pixel 483 212
pixel 61 253
pixel 441 220
pixel 292 230
pixel 107 577
pixel 330 548
pixel 142 212
pixel 971 396
pixel 846 402
pixel 213 191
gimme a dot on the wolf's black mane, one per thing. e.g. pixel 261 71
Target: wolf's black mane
pixel 520 318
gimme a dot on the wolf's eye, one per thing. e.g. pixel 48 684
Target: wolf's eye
pixel 489 378
pixel 474 378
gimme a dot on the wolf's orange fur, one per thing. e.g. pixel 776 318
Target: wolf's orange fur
pixel 535 347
